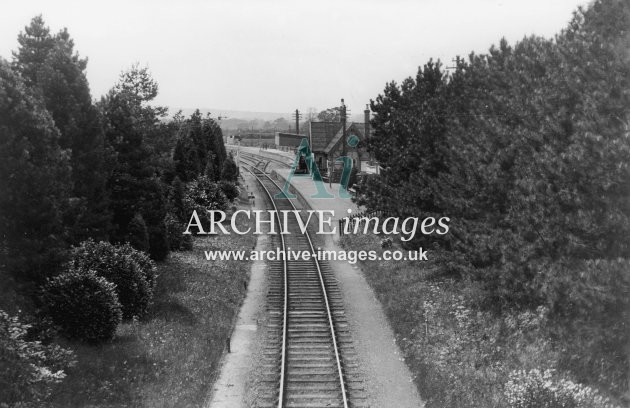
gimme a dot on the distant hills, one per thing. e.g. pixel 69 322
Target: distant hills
pixel 236 114
pixel 234 119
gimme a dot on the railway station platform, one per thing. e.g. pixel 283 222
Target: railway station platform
pixel 305 185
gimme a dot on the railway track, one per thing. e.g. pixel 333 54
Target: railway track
pixel 308 358
pixel 254 157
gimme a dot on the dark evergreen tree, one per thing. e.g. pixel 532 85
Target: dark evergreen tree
pixel 176 201
pixel 53 68
pixel 35 45
pixel 186 158
pixel 135 187
pixel 200 149
pixel 214 143
pixel 34 180
pixel 137 233
pixel 229 172
pixel 211 168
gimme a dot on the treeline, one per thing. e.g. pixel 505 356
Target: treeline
pixel 88 191
pixel 527 150
pixel 74 169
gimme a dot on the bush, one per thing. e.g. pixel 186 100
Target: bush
pixel 117 265
pixel 202 195
pixel 146 264
pixel 187 243
pixel 158 242
pixel 29 368
pixel 83 305
pixel 539 389
pixel 230 189
pixel 137 233
pixel 176 239
pixel 174 229
pixel 387 242
pixel 229 171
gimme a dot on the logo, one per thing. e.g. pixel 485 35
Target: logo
pixel 304 156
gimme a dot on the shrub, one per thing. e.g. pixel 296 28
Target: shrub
pixel 187 243
pixel 29 368
pixel 83 305
pixel 115 264
pixel 590 305
pixel 174 229
pixel 229 171
pixel 203 194
pixel 146 264
pixel 137 233
pixel 230 189
pixel 387 242
pixel 176 200
pixel 539 389
pixel 158 241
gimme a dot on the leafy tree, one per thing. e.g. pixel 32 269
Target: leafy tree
pixel 29 368
pixel 330 115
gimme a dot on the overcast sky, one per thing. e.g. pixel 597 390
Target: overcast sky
pixel 275 56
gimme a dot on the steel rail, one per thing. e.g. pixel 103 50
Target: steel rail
pixel 324 294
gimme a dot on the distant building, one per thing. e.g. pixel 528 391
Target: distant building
pixel 325 139
pixel 288 139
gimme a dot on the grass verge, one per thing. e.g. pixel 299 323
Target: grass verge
pixel 461 354
pixel 170 358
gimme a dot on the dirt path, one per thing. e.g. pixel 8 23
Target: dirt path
pixel 230 389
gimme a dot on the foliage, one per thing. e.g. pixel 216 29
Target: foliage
pixel 330 115
pixel 147 266
pixel 175 351
pixel 229 189
pixel 137 234
pixel 539 389
pixel 53 69
pixel 174 228
pixel 35 180
pixel 134 184
pixel 202 195
pixel 229 172
pixel 200 149
pixel 176 200
pixel 120 267
pixel 84 305
pixel 29 368
pixel 526 150
pixel 529 178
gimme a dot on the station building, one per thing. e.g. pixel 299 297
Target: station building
pixel 327 144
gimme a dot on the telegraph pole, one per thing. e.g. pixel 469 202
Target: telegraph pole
pixel 297 115
pixel 343 128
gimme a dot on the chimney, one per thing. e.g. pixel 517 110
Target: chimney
pixel 366 120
